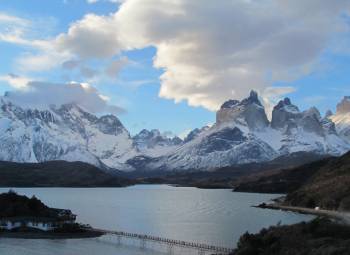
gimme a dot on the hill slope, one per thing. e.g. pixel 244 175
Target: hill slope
pixel 56 174
pixel 324 183
pixel 328 188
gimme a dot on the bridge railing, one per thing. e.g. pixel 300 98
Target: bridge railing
pixel 168 241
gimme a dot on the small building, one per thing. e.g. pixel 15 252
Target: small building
pixel 41 223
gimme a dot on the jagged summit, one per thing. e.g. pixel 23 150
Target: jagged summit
pixel 328 114
pixel 153 143
pixel 229 104
pixel 286 105
pixel 284 114
pixel 248 112
pixel 65 132
pixel 242 134
pixel 252 99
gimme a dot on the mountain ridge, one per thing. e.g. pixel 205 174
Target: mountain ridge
pixel 242 134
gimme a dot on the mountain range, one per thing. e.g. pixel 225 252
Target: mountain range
pixel 242 134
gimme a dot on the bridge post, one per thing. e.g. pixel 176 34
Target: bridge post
pixel 201 252
pixel 143 243
pixel 119 239
pixel 170 249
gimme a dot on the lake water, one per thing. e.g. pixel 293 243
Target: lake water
pixel 215 217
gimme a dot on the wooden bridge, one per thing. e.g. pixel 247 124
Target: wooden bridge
pixel 201 248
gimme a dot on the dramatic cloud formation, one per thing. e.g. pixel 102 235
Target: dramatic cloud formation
pixel 42 94
pixel 210 51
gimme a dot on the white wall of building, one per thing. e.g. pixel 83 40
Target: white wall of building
pixel 37 225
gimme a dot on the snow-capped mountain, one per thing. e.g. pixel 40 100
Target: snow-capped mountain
pixel 243 134
pixel 66 133
pixel 194 133
pixel 342 118
pixel 153 143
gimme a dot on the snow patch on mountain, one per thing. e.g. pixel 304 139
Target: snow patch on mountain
pixel 62 133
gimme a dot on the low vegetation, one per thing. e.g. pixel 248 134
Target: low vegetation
pixel 14 205
pixel 328 188
pixel 324 183
pixel 318 237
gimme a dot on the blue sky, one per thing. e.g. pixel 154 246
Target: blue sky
pixel 137 87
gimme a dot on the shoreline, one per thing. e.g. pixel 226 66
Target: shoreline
pixel 338 215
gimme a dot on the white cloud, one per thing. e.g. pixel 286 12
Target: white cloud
pixel 13 20
pixel 15 81
pixel 210 51
pixel 41 61
pixel 92 37
pixel 43 94
pixel 271 96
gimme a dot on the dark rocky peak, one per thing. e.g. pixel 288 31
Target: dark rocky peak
pixel 110 124
pixel 313 112
pixel 152 138
pixel 252 99
pixel 176 140
pixel 155 132
pixel 147 134
pixel 249 111
pixel 328 114
pixel 311 121
pixel 284 114
pixel 229 104
pixel 344 105
pixel 286 105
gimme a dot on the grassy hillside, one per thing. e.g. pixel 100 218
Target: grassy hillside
pixel 280 180
pixel 56 174
pixel 318 237
pixel 328 188
pixel 324 183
